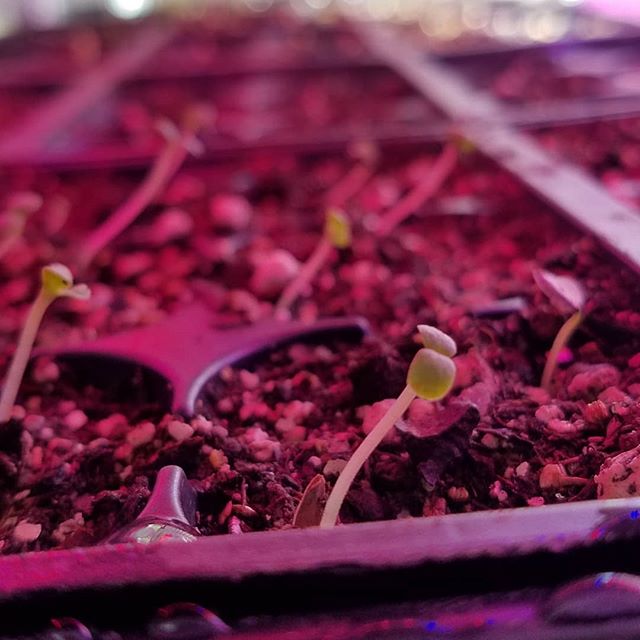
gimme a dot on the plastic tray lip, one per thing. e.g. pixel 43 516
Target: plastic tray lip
pixel 392 545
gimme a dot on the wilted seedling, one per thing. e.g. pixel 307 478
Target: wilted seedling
pixel 56 282
pixel 431 376
pixel 180 142
pixel 336 235
pixel 567 295
pixel 14 218
pixel 366 155
pixel 427 188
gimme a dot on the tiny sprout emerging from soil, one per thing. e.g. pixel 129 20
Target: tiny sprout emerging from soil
pixel 336 235
pixel 431 376
pixel 426 189
pixel 366 155
pixel 56 282
pixel 309 510
pixel 567 295
pixel 180 142
pixel 14 219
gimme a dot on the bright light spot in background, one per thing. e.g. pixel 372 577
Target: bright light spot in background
pixel 546 26
pixel 259 5
pixel 318 4
pixel 309 7
pixel 9 17
pixel 409 10
pixel 352 7
pixel 382 9
pixel 506 24
pixel 44 14
pixel 442 22
pixel 476 14
pixel 129 9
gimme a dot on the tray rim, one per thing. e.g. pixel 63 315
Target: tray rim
pixel 382 545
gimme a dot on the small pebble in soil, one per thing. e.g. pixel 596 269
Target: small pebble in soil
pixel 25 532
pixel 202 426
pixel 458 494
pixel 596 412
pixel 228 211
pixel 591 379
pixel 45 370
pixel 563 428
pixel 218 459
pixel 272 273
pixel 179 431
pixel 141 434
pixel 333 468
pixel 76 419
pixel 549 412
pixel 172 224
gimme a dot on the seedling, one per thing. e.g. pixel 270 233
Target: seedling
pixel 309 510
pixel 14 218
pixel 336 235
pixel 567 295
pixel 56 282
pixel 179 144
pixel 366 155
pixel 431 375
pixel 426 189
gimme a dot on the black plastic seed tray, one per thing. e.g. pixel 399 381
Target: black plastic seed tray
pixel 239 44
pixel 546 573
pixel 406 565
pixel 17 103
pixel 251 109
pixel 54 57
pixel 557 75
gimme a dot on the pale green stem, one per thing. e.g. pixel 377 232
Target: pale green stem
pixel 561 340
pixel 307 273
pixel 22 354
pixel 422 192
pixel 349 185
pixel 361 454
pixel 164 168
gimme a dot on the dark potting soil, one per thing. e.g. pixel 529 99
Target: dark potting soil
pixel 78 462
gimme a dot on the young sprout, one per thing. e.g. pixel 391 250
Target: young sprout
pixel 179 144
pixel 567 295
pixel 431 375
pixel 309 510
pixel 366 155
pixel 56 282
pixel 426 189
pixel 14 219
pixel 336 235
